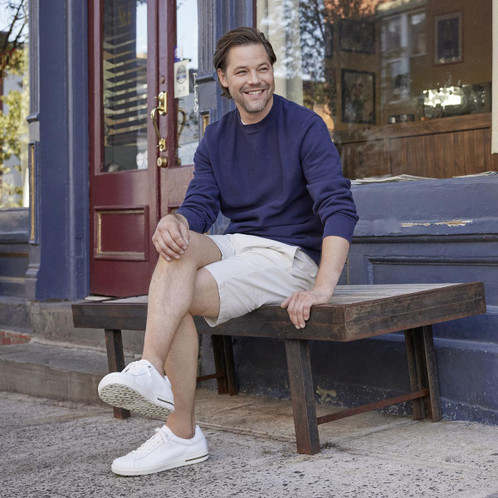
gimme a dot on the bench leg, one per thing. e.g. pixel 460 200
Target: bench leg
pixel 115 359
pixel 415 369
pixel 422 370
pixel 219 363
pixel 432 377
pixel 224 364
pixel 302 396
pixel 229 365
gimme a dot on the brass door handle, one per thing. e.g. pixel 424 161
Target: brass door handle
pixel 160 110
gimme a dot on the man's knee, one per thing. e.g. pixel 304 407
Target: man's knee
pixel 200 252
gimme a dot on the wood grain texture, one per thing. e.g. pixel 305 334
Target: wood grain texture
pixel 439 148
pixel 302 396
pixel 355 312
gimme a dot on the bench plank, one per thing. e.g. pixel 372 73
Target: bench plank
pixel 354 312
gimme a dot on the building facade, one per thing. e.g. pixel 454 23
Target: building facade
pixel 120 93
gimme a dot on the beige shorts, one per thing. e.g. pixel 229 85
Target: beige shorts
pixel 255 271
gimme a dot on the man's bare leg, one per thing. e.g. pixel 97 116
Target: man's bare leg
pixel 181 367
pixel 181 363
pixel 177 288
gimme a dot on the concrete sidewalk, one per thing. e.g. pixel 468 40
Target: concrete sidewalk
pixel 62 449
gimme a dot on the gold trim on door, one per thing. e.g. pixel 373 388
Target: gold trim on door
pixel 120 255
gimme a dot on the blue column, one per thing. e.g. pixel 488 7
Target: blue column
pixel 58 267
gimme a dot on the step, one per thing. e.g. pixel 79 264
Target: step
pixel 52 371
pixel 14 314
pixel 53 322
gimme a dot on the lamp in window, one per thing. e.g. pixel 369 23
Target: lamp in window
pixel 445 101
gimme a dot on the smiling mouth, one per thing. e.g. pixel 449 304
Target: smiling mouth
pixel 255 92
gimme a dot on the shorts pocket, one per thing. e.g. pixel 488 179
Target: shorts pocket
pixel 304 266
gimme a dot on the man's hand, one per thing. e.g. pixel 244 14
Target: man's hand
pixel 334 254
pixel 171 237
pixel 299 304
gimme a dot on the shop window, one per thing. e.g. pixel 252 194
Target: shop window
pixel 14 97
pixel 404 86
pixel 124 65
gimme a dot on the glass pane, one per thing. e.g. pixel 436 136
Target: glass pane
pixel 125 84
pixel 14 106
pixel 381 71
pixel 185 79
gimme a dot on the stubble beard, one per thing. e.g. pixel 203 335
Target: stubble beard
pixel 256 107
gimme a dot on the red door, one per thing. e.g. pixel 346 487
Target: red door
pixel 132 108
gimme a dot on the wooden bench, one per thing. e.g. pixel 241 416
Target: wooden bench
pixel 355 312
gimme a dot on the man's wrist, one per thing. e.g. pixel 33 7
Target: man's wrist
pixel 181 218
pixel 325 289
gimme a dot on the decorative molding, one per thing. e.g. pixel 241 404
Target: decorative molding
pixel 484 263
pixel 126 255
pixel 425 239
pixel 434 261
pixel 33 195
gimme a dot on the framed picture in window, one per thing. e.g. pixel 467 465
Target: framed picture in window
pixel 205 120
pixel 448 38
pixel 357 36
pixel 358 96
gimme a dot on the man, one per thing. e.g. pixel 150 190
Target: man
pixel 271 168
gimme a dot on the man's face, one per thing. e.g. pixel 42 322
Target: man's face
pixel 249 79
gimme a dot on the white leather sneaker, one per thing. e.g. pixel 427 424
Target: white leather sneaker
pixel 163 451
pixel 139 388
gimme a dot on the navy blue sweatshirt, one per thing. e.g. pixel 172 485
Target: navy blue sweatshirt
pixel 279 178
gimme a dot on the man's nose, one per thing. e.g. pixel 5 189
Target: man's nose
pixel 253 77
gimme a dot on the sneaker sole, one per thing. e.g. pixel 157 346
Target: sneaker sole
pixel 160 468
pixel 122 396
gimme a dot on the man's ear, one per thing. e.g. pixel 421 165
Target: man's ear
pixel 222 78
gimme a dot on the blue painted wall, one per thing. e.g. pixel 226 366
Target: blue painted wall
pixel 439 231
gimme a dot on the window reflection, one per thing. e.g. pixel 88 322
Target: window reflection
pixel 374 69
pixel 185 77
pixel 125 85
pixel 14 105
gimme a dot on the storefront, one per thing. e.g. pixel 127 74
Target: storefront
pixel 121 91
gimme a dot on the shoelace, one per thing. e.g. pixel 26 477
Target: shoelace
pixel 156 440
pixel 137 367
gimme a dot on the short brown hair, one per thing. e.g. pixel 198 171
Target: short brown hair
pixel 236 37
